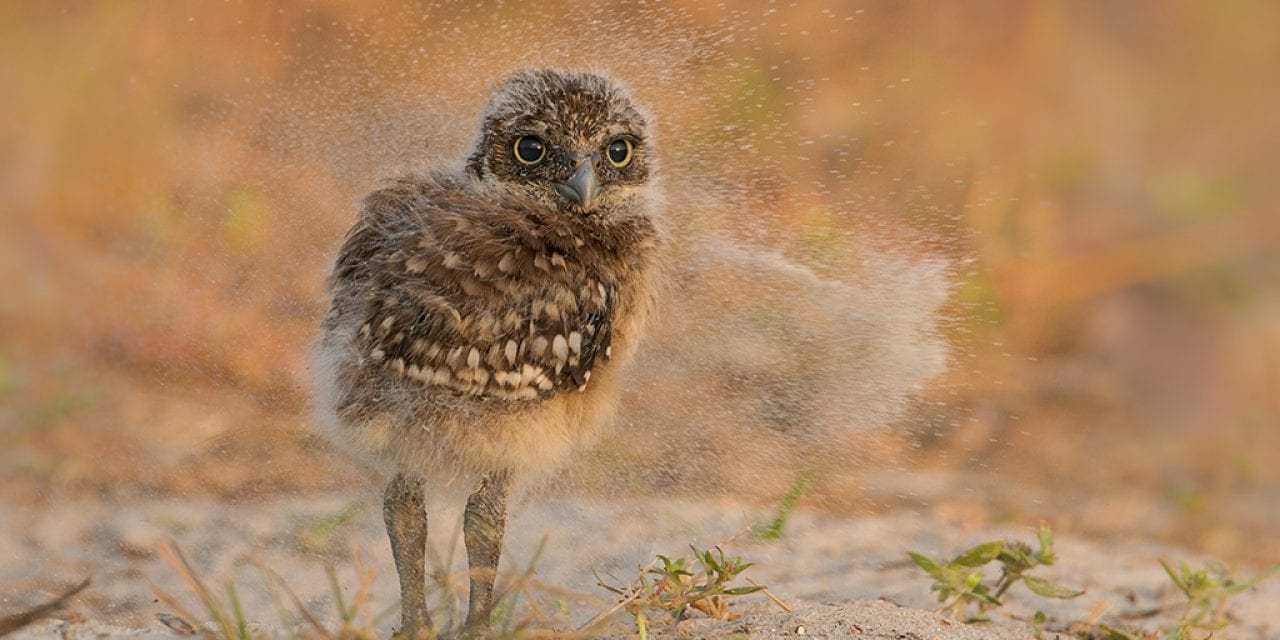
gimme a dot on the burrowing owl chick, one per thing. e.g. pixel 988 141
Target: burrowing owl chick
pixel 480 316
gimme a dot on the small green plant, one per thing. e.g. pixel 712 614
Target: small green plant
pixel 961 587
pixel 1207 591
pixel 544 606
pixel 772 530
pixel 1038 620
pixel 523 606
pixel 680 584
pixel 228 616
pixel 319 535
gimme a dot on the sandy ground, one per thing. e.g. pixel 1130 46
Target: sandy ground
pixel 844 576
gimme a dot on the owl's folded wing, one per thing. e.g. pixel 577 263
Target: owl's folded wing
pixel 477 310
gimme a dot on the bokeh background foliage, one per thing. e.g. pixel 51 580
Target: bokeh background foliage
pixel 175 177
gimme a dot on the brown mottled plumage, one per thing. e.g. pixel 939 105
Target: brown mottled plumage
pixel 479 317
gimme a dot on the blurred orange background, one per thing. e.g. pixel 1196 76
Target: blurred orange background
pixel 175 178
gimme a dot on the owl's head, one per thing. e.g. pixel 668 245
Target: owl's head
pixel 571 141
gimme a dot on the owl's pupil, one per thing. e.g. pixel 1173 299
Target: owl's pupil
pixel 530 149
pixel 619 152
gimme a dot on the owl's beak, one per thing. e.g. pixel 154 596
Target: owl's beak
pixel 580 188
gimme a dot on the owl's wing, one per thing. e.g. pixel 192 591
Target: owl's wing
pixel 469 300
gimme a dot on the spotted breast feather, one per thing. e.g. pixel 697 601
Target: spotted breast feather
pixel 463 296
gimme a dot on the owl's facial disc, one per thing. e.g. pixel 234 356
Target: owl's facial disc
pixel 581 188
pixel 570 142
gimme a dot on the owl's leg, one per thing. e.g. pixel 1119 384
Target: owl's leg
pixel 483 525
pixel 405 513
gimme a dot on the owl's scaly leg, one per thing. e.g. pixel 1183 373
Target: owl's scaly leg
pixel 483 525
pixel 406 516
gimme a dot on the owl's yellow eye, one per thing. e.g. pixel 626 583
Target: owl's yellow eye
pixel 619 152
pixel 530 149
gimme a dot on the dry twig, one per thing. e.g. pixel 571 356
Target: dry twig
pixel 9 624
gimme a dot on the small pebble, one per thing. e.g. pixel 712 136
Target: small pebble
pixel 800 630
